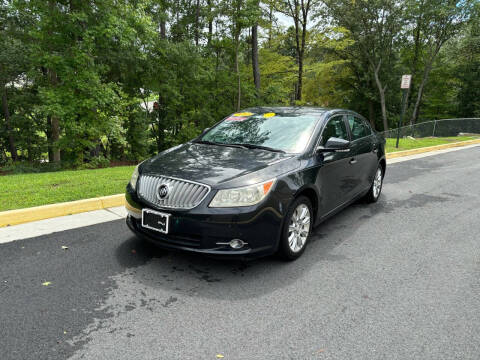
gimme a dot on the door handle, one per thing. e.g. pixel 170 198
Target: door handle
pixel 353 161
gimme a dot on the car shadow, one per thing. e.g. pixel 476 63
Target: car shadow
pixel 187 274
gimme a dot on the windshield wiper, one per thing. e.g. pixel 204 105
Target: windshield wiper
pixel 206 142
pixel 253 146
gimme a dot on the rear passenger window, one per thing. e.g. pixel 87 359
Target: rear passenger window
pixel 358 127
pixel 335 128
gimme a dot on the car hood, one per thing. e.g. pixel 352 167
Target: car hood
pixel 219 165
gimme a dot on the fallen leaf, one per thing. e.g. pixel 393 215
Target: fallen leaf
pixel 64 247
pixel 220 356
pixel 46 283
pixel 321 350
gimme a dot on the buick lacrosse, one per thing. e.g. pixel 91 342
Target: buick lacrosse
pixel 257 182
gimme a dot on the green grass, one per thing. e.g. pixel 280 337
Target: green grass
pixel 408 144
pixel 27 190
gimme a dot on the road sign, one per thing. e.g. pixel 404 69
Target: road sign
pixel 405 86
pixel 406 80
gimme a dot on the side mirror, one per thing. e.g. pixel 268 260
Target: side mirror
pixel 334 145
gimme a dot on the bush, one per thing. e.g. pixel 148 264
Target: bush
pixel 95 163
pixel 24 167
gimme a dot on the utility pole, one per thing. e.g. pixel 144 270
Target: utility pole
pixel 405 86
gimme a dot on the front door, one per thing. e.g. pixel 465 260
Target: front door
pixel 334 179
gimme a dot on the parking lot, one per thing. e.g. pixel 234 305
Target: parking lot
pixel 399 279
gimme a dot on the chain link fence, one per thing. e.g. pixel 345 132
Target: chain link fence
pixel 438 128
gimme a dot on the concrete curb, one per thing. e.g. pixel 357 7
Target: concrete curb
pixel 431 148
pixel 21 216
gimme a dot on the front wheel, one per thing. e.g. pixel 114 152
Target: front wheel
pixel 376 188
pixel 297 228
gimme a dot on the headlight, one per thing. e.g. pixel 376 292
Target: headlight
pixel 244 196
pixel 134 178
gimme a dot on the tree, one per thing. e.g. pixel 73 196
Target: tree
pixel 375 27
pixel 74 73
pixel 329 80
pixel 255 64
pixel 299 11
pixel 12 65
pixel 436 21
pixel 465 55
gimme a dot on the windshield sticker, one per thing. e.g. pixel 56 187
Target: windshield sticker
pixel 237 118
pixel 269 115
pixel 243 114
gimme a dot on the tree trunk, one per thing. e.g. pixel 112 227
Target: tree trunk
pixel 426 73
pixel 55 138
pixel 304 8
pixel 298 94
pixel 197 23
pixel 300 78
pixel 415 63
pixel 270 18
pixel 55 122
pixel 381 91
pixel 161 118
pixel 6 112
pixel 210 21
pixel 48 132
pixel 237 70
pixel 237 30
pixel 300 43
pixel 255 65
pixel 163 31
pixel 371 113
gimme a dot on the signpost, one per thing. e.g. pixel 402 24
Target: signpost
pixel 405 86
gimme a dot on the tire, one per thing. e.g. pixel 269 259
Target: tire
pixel 293 241
pixel 376 189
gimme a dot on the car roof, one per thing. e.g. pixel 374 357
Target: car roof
pixel 287 109
pixel 296 110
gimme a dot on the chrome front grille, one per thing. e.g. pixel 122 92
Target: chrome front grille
pixel 182 194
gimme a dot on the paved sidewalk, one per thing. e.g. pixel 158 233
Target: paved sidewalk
pixel 49 226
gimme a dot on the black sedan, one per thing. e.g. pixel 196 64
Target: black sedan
pixel 257 182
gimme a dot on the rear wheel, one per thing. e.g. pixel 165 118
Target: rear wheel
pixel 374 192
pixel 297 228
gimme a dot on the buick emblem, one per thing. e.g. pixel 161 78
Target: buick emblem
pixel 162 191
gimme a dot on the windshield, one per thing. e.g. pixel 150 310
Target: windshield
pixel 286 132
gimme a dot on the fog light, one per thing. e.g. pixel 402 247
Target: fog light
pixel 237 244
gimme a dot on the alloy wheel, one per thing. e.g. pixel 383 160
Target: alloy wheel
pixel 299 228
pixel 377 183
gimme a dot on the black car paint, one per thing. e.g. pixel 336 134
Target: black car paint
pixel 332 180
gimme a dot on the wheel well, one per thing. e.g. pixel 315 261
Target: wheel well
pixel 312 195
pixel 383 164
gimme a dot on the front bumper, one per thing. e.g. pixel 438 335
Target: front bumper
pixel 201 229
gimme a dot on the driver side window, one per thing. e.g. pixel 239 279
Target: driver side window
pixel 335 128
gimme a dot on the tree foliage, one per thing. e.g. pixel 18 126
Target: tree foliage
pixel 92 81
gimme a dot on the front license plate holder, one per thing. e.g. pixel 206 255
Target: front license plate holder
pixel 155 220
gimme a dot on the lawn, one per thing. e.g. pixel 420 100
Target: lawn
pixel 27 190
pixel 408 144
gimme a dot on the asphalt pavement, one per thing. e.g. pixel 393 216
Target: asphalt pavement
pixel 399 279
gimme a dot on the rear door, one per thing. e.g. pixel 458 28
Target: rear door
pixel 363 152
